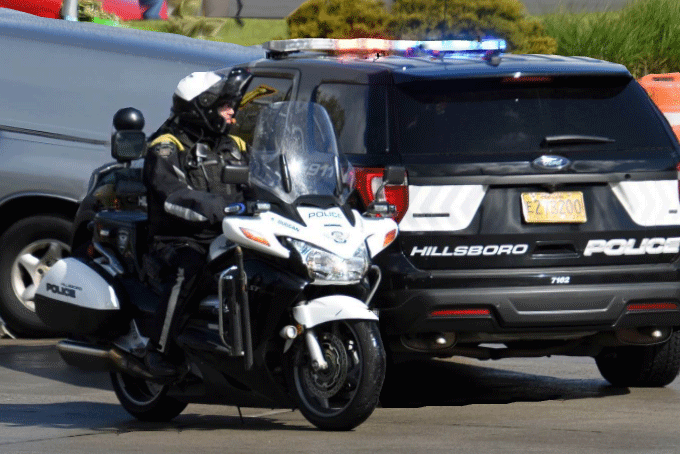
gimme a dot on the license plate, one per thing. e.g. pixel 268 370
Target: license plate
pixel 555 207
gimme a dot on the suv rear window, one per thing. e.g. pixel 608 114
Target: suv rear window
pixel 358 115
pixel 510 115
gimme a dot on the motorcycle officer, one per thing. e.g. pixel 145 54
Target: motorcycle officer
pixel 186 198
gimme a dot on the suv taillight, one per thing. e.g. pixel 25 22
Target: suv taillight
pixel 368 181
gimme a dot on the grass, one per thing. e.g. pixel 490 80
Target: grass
pixel 644 36
pixel 248 33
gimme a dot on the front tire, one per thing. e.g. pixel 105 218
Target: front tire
pixel 145 400
pixel 30 247
pixel 650 367
pixel 344 395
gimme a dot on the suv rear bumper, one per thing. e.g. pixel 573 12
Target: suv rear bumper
pixel 433 302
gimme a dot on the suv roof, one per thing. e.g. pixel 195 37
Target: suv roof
pixel 416 67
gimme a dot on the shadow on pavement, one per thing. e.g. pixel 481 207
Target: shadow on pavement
pixel 105 417
pixel 412 384
pixel 41 359
pixel 441 383
pixel 193 421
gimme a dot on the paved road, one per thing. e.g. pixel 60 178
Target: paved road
pixel 551 405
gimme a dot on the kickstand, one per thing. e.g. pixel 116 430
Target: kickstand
pixel 5 332
pixel 241 415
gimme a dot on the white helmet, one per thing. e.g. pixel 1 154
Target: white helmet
pixel 200 95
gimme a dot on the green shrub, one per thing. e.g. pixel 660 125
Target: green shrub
pixel 194 27
pixel 441 19
pixel 339 19
pixel 184 8
pixel 186 20
pixel 644 36
pixel 88 10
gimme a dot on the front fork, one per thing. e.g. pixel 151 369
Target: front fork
pixel 318 360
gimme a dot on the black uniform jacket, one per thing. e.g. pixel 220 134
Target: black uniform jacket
pixel 185 195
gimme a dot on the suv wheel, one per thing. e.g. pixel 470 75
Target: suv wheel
pixel 30 247
pixel 652 366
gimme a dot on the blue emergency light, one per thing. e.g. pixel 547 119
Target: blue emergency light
pixel 454 48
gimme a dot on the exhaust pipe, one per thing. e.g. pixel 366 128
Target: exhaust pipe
pixel 429 342
pixel 94 358
pixel 644 336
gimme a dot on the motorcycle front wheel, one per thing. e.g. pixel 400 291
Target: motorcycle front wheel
pixel 345 394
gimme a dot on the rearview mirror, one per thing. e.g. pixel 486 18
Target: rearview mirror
pixel 128 145
pixel 235 174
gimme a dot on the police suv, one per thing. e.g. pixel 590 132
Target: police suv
pixel 540 214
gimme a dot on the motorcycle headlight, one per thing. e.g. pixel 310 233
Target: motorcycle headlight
pixel 328 268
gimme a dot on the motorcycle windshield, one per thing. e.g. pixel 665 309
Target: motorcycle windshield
pixel 295 154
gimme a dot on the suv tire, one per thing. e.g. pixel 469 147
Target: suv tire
pixel 32 236
pixel 652 366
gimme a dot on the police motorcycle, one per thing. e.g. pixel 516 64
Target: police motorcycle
pixel 288 322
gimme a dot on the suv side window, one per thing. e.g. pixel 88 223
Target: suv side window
pixel 261 92
pixel 358 116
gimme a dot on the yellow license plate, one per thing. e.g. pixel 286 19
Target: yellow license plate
pixel 556 207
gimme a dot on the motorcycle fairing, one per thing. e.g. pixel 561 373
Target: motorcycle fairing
pixel 328 229
pixel 376 231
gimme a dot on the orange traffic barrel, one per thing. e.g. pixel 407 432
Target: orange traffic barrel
pixel 664 89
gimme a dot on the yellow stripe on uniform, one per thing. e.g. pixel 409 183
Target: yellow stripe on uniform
pixel 167 138
pixel 260 91
pixel 240 143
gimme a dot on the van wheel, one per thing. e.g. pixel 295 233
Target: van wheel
pixel 649 367
pixel 30 247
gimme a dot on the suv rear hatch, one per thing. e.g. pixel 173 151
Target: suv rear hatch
pixel 535 171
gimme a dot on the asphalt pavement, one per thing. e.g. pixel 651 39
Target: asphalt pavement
pixel 546 405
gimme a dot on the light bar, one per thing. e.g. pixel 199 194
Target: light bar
pixel 296 45
pixel 456 45
pixel 366 45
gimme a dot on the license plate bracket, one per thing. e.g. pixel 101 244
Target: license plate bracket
pixel 565 207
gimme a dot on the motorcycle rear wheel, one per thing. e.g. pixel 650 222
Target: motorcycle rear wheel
pixel 344 395
pixel 144 400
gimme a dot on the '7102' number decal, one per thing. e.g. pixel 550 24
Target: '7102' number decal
pixel 560 279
